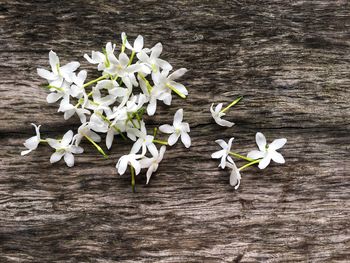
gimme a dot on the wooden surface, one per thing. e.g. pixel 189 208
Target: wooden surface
pixel 290 59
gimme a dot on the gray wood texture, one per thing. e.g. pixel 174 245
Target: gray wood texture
pixel 290 59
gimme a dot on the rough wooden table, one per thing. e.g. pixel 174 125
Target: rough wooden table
pixel 290 59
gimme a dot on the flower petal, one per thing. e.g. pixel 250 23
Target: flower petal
pixel 177 74
pixel 173 138
pixel 186 139
pixel 255 154
pixel 138 43
pixel 277 157
pixel 265 162
pixel 69 159
pixel 178 117
pixel 56 156
pixel 277 144
pixel 166 128
pixel 67 138
pixel 260 141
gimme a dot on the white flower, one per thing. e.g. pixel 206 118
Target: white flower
pixel 153 61
pixel 130 159
pixel 144 141
pixel 235 176
pixel 178 129
pixel 267 152
pixel 138 43
pixel 64 148
pixel 152 163
pixel 58 92
pixel 217 115
pixel 100 58
pixel 58 73
pixel 77 89
pixel 163 81
pixel 224 153
pixel 120 67
pixel 33 142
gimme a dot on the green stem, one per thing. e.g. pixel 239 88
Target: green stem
pixel 43 140
pixel 241 156
pixel 232 103
pixel 131 57
pixel 95 80
pixel 97 146
pixel 132 178
pixel 149 87
pixel 176 91
pixel 53 87
pixel 155 132
pixel 160 142
pixel 249 164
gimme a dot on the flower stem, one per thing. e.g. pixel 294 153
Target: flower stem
pixel 160 142
pixel 97 146
pixel 43 140
pixel 131 57
pixel 155 130
pixel 232 103
pixel 176 91
pixel 132 178
pixel 95 80
pixel 52 87
pixel 241 156
pixel 249 164
pixel 149 87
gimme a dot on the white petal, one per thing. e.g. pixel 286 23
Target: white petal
pixel 265 162
pixel 76 149
pixel 178 117
pixel 173 138
pixel 56 156
pixel 137 146
pixel 222 143
pixel 164 64
pixel 277 144
pixel 156 50
pixel 181 88
pixel 123 59
pixel 109 138
pixel 69 159
pixel 186 139
pixel 217 155
pixel 32 143
pixel 138 43
pixel 67 138
pixel 122 164
pixel 166 128
pixel 218 107
pixel 53 97
pixel 54 61
pixel 177 74
pixel 25 152
pixel 235 176
pixel 152 106
pixel 149 173
pixel 46 74
pixel 260 141
pixel 255 154
pixel 223 123
pixel 70 67
pixel 53 143
pixel 152 149
pixel 277 157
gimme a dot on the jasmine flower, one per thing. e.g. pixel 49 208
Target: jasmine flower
pixel 267 152
pixel 178 129
pixel 152 163
pixel 224 153
pixel 32 143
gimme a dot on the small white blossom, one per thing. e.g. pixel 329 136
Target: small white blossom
pixel 178 129
pixel 138 43
pixel 224 153
pixel 58 73
pixel 32 143
pixel 132 159
pixel 267 152
pixel 152 163
pixel 235 176
pixel 153 61
pixel 218 114
pixel 101 58
pixel 64 148
pixel 144 141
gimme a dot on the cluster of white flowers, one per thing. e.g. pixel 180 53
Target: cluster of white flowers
pixel 112 104
pixel 261 157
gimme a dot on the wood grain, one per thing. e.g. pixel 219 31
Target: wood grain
pixel 290 60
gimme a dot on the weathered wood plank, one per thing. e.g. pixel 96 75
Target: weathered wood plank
pixel 290 61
